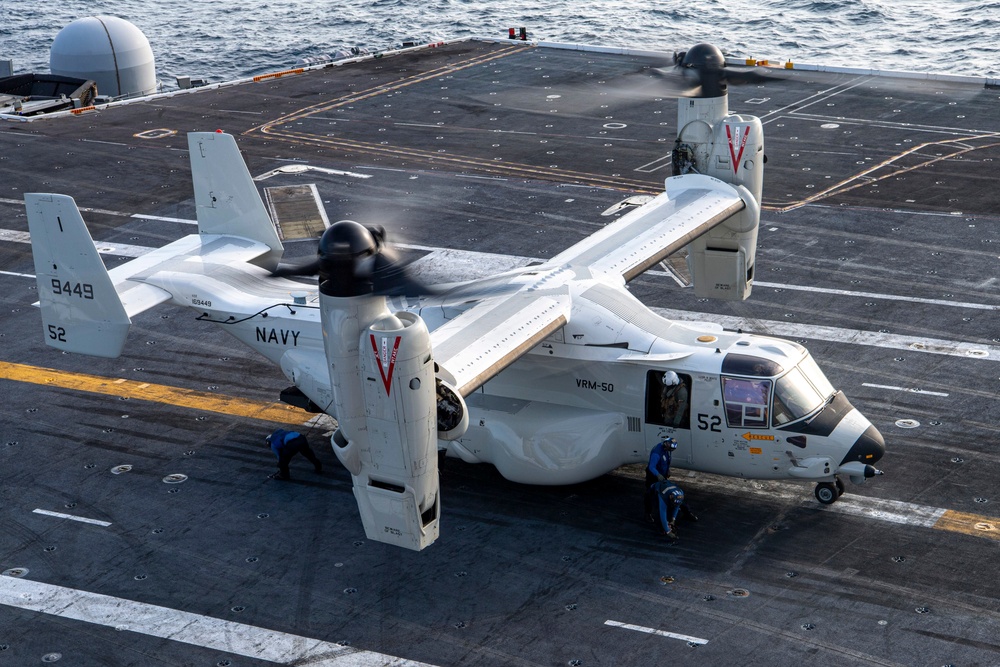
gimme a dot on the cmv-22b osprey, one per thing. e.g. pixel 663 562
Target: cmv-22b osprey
pixel 553 373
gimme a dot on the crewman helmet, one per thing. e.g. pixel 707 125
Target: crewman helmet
pixel 670 444
pixel 670 379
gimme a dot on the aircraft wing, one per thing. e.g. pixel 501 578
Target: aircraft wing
pixel 691 205
pixel 491 335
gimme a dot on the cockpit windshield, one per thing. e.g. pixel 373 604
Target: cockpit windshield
pixel 799 392
pixel 816 376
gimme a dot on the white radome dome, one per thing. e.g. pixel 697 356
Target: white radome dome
pixel 109 50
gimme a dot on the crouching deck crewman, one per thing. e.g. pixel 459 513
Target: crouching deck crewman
pixel 285 445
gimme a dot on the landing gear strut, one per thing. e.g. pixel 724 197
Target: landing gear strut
pixel 828 492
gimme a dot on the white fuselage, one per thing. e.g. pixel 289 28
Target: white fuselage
pixel 587 399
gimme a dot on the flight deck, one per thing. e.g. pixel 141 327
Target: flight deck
pixel 138 525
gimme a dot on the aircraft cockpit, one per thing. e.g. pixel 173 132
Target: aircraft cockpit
pixel 749 383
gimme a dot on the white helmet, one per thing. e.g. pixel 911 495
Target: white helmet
pixel 670 379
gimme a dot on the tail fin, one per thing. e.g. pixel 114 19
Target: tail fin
pixel 226 197
pixel 81 311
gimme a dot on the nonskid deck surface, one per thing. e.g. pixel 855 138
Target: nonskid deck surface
pixel 878 250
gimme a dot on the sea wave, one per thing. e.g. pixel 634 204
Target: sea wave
pixel 223 42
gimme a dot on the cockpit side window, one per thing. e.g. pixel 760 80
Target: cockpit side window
pixel 795 397
pixel 746 402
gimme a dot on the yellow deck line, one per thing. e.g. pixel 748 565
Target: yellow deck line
pixel 958 522
pixel 969 524
pixel 144 391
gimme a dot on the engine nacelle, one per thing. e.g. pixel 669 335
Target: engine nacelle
pixel 729 147
pixel 397 487
pixel 385 401
pixel 721 261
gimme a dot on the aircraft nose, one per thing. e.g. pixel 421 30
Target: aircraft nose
pixel 868 448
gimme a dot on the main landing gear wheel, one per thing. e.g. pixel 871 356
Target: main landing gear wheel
pixel 840 487
pixel 826 493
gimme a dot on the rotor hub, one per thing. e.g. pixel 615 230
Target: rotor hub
pixel 344 246
pixel 347 238
pixel 705 66
pixel 703 56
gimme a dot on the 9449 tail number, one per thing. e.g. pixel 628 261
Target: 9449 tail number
pixel 82 290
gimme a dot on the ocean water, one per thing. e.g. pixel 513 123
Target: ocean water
pixel 220 42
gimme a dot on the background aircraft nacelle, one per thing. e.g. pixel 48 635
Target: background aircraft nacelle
pixel 729 147
pixel 721 261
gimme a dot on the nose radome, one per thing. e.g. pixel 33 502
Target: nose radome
pixel 868 448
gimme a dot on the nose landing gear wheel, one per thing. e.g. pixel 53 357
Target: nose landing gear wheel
pixel 826 493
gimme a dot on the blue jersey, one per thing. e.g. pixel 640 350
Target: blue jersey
pixel 281 440
pixel 659 461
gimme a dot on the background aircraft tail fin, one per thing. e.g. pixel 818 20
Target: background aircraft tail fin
pixel 225 196
pixel 81 310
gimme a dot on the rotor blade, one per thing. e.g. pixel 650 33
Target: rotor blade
pixel 587 94
pixel 748 76
pixel 476 290
pixel 310 268
pixel 674 82
pixel 390 276
pixel 647 86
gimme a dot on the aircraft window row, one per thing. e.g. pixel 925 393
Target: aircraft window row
pixel 746 401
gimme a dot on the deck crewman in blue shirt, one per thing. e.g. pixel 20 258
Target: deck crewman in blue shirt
pixel 285 445
pixel 669 497
pixel 657 470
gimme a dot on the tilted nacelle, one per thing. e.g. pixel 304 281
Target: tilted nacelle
pixel 391 410
pixel 729 147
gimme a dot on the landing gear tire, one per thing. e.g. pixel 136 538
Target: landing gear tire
pixel 840 487
pixel 826 493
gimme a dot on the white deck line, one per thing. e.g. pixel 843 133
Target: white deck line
pixel 181 626
pixel 654 631
pixel 905 389
pixel 475 261
pixel 73 517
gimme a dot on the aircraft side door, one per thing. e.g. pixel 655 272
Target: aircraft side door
pixel 668 413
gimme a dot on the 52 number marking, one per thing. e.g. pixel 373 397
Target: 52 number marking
pixel 82 290
pixel 57 333
pixel 709 424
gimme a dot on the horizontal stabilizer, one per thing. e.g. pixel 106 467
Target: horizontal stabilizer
pixel 81 310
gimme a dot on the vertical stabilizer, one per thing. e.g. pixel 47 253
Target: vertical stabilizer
pixel 226 198
pixel 81 311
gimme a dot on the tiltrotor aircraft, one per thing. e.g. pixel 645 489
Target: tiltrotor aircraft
pixel 553 373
